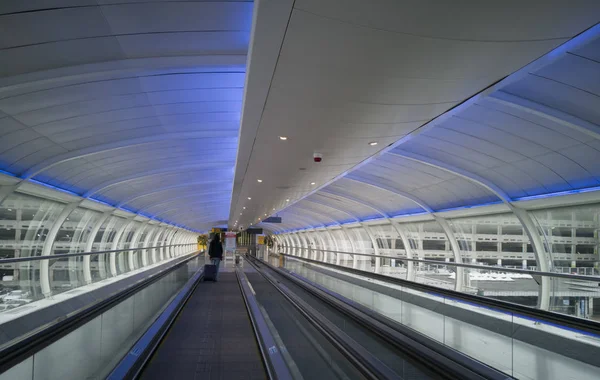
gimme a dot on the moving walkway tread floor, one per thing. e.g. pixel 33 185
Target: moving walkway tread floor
pixel 212 338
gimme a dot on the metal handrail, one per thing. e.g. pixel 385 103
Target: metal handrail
pixel 462 265
pixel 67 255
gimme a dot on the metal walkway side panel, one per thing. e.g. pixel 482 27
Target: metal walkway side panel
pixel 212 338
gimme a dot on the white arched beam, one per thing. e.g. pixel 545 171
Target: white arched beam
pixel 542 256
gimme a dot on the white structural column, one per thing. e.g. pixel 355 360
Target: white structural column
pixel 335 245
pixel 163 242
pixel 159 231
pixel 352 245
pixel 89 244
pixel 375 247
pixel 173 241
pixel 293 244
pixel 145 244
pixel 459 282
pixel 288 244
pixel 543 259
pixel 310 242
pixel 47 248
pixel 177 241
pixel 302 248
pixel 133 245
pixel 168 243
pixel 324 247
pixel 410 267
pixel 105 245
pixel 297 245
pixel 115 244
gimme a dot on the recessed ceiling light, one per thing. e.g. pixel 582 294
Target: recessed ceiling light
pixel 249 198
pixel 240 213
pixel 273 208
pixel 259 180
pixel 244 207
pixel 373 143
pixel 313 183
pixel 287 200
pixel 282 138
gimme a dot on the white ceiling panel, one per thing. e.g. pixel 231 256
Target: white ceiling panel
pixel 32 28
pixel 486 21
pixel 216 43
pixel 119 98
pixel 146 17
pixel 559 96
pixel 52 55
pixel 348 73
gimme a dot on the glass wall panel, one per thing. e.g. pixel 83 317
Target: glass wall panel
pixel 26 221
pixel 496 240
pixel 67 273
pixel 105 238
pixel 570 236
pixel 429 242
pixel 390 243
pixel 362 244
pixel 125 243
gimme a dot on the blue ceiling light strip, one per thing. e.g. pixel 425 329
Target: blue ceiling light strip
pixel 470 206
pixel 54 187
pixel 558 194
pixel 8 173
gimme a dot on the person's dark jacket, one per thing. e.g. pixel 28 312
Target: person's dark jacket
pixel 215 249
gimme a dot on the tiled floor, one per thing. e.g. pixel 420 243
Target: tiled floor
pixel 211 339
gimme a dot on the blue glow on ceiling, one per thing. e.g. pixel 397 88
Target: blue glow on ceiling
pixel 558 194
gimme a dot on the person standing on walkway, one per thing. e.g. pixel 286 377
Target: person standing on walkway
pixel 215 252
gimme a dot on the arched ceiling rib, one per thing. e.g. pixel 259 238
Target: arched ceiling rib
pixel 96 97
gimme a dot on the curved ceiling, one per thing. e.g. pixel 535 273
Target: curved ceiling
pixel 467 108
pixel 116 100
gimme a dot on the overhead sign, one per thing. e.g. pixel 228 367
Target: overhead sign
pixel 272 219
pixel 254 231
pixel 230 240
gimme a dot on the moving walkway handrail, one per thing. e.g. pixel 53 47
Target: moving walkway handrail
pixel 67 255
pixel 24 348
pixel 461 265
pixel 273 361
pixel 582 325
pixel 440 359
pixel 369 368
pixel 133 363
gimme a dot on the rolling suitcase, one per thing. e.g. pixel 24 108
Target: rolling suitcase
pixel 210 272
